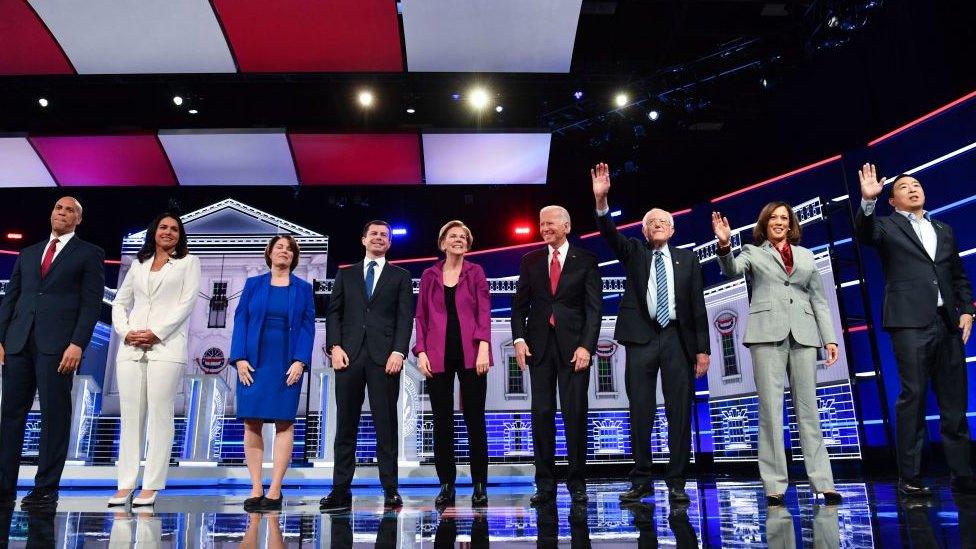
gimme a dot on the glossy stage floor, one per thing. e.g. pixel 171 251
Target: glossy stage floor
pixel 721 514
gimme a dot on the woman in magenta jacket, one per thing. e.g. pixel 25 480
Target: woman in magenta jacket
pixel 454 337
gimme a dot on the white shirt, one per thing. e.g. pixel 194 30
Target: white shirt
pixel 562 255
pixel 62 242
pixel 380 262
pixel 652 282
pixel 923 230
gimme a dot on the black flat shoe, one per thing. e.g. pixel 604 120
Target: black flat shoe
pixel 776 500
pixel 677 494
pixel 446 496
pixel 913 488
pixel 392 499
pixel 40 497
pixel 479 498
pixel 253 503
pixel 832 498
pixel 636 493
pixel 268 504
pixel 336 502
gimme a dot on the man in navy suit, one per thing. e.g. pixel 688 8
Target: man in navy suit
pixel 928 312
pixel 368 327
pixel 556 314
pixel 51 305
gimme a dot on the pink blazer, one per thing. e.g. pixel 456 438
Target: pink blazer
pixel 473 309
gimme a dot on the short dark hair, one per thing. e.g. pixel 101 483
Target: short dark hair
pixel 377 222
pixel 292 244
pixel 149 244
pixel 901 176
pixel 759 231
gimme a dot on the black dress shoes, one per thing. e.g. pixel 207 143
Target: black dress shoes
pixel 636 493
pixel 963 485
pixel 677 494
pixel 578 496
pixel 832 498
pixel 479 498
pixel 338 501
pixel 913 488
pixel 446 496
pixel 542 497
pixel 392 499
pixel 40 497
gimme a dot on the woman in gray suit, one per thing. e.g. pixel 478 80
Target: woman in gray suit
pixel 788 321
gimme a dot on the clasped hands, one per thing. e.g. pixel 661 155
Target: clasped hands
pixel 144 339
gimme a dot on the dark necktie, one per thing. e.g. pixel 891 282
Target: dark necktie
pixel 661 277
pixel 370 275
pixel 554 271
pixel 49 257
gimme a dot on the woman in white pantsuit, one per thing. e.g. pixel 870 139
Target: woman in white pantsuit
pixel 788 321
pixel 151 312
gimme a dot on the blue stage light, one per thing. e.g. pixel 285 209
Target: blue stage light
pixel 398 231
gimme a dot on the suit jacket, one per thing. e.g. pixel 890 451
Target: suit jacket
pixel 634 321
pixel 249 320
pixel 380 325
pixel 473 304
pixel 782 303
pixel 913 281
pixel 63 307
pixel 163 307
pixel 577 303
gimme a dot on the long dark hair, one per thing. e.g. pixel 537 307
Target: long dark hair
pixel 149 245
pixel 759 231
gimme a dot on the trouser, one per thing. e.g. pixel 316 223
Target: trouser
pixel 473 391
pixel 351 386
pixel 573 386
pixel 771 362
pixel 25 373
pixel 665 354
pixel 935 352
pixel 147 393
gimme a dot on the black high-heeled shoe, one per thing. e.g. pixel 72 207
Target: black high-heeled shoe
pixel 479 498
pixel 253 503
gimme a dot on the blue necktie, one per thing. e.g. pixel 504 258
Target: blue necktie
pixel 663 314
pixel 370 275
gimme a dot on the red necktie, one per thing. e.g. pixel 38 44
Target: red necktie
pixel 787 254
pixel 554 270
pixel 48 257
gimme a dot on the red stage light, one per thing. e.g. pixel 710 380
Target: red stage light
pixel 14 236
pixel 522 231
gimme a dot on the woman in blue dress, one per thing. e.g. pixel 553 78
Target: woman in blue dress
pixel 274 329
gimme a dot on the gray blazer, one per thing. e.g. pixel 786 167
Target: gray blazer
pixel 782 303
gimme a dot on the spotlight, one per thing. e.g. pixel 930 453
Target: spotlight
pixel 764 82
pixel 833 22
pixel 578 94
pixel 42 102
pixel 15 236
pixel 616 213
pixel 398 231
pixel 365 98
pixel 621 100
pixel 499 108
pixel 522 230
pixel 411 110
pixel 478 98
pixel 193 111
pixel 177 100
pixel 456 96
pixel 653 115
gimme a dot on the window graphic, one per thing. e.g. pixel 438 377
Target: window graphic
pixel 218 306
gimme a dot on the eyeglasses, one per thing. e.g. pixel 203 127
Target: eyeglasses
pixel 654 222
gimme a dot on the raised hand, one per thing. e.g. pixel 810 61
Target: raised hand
pixel 720 225
pixel 870 186
pixel 600 175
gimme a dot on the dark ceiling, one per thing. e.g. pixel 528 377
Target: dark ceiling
pixel 836 75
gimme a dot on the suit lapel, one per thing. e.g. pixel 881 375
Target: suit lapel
pixel 68 249
pixel 906 227
pixel 771 250
pixel 676 265
pixel 568 263
pixel 262 294
pixel 164 272
pixel 292 289
pixel 384 276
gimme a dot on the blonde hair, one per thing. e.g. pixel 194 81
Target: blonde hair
pixel 454 224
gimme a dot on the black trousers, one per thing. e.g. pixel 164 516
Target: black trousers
pixel 545 375
pixel 384 391
pixel 446 535
pixel 25 373
pixel 934 352
pixel 665 354
pixel 340 534
pixel 473 391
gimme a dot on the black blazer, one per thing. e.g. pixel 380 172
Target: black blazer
pixel 577 304
pixel 381 325
pixel 634 321
pixel 63 307
pixel 913 280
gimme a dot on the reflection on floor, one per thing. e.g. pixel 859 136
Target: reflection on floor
pixel 721 514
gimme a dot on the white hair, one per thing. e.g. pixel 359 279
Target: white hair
pixel 563 212
pixel 666 213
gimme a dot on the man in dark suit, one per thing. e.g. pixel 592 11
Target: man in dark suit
pixel 556 315
pixel 51 305
pixel 368 326
pixel 663 324
pixel 928 312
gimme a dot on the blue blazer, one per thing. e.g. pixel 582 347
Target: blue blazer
pixel 249 319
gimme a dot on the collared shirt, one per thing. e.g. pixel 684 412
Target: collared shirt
pixel 921 225
pixel 652 282
pixel 62 242
pixel 562 255
pixel 377 270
